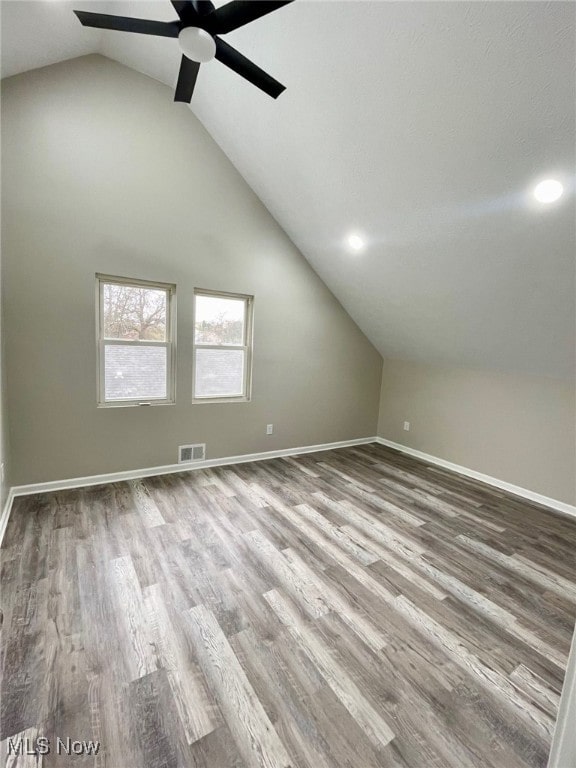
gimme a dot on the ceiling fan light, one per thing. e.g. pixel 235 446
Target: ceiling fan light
pixel 197 44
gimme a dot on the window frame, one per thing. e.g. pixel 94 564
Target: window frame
pixel 247 348
pixel 102 342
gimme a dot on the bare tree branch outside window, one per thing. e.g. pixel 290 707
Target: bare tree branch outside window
pixel 134 313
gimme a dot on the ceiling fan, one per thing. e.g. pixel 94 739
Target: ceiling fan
pixel 197 30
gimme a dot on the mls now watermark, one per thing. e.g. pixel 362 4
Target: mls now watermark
pixel 42 745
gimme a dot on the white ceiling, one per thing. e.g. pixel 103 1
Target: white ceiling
pixel 420 125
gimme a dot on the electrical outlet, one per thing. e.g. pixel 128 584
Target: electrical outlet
pixel 407 426
pixel 269 429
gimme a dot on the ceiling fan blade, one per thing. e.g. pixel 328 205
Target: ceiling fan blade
pixel 239 12
pixel 181 7
pixel 202 7
pixel 186 11
pixel 186 80
pixel 190 10
pixel 128 24
pixel 243 66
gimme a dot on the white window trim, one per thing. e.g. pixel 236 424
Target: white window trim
pixel 247 348
pixel 102 343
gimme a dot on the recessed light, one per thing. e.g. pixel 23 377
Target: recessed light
pixel 548 191
pixel 355 242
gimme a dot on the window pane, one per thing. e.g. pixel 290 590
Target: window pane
pixel 219 373
pixel 131 312
pixel 135 372
pixel 219 320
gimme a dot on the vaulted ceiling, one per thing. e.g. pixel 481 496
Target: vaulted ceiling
pixel 421 126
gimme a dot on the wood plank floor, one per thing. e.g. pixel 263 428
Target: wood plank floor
pixel 348 609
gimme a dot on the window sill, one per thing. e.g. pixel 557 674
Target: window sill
pixel 136 404
pixel 216 400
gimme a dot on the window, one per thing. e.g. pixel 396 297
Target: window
pixel 135 341
pixel 222 346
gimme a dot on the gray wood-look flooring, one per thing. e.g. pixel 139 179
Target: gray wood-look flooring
pixel 353 608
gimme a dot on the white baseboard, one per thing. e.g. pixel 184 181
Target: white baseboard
pixel 6 513
pixel 546 501
pixel 169 469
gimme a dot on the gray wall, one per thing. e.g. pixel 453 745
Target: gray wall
pixel 519 429
pixel 102 172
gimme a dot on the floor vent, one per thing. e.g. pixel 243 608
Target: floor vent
pixel 188 453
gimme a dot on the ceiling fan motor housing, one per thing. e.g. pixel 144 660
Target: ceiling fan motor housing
pixel 197 44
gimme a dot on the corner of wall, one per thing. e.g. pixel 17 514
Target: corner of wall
pixel 380 399
pixel 4 442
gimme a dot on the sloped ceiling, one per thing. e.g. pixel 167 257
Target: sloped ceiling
pixel 422 126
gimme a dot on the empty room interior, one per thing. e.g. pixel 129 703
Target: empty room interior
pixel 288 415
